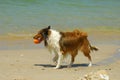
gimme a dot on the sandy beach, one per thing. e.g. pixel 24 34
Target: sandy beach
pixel 36 64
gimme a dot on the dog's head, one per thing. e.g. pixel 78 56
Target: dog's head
pixel 42 34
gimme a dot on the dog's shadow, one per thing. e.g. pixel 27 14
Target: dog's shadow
pixel 44 65
pixel 63 66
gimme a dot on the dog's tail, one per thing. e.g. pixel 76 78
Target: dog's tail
pixel 92 48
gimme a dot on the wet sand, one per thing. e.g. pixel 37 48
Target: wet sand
pixel 36 63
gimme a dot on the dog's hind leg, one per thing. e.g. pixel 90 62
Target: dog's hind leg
pixel 86 52
pixel 73 55
pixel 90 61
pixel 89 58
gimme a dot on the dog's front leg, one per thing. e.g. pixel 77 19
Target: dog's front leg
pixel 60 56
pixel 55 58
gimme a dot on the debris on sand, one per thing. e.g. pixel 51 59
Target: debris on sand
pixel 99 75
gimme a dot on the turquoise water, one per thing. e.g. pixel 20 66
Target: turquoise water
pixel 26 16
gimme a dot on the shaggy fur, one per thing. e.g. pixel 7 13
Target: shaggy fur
pixel 63 43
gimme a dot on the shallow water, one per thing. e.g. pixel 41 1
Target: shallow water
pixel 27 16
pixel 115 57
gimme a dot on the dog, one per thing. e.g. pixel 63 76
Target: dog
pixel 63 43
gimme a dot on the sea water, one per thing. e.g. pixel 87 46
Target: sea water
pixel 23 18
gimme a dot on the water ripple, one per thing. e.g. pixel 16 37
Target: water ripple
pixel 115 57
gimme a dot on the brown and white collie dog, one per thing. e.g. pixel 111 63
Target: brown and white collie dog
pixel 63 43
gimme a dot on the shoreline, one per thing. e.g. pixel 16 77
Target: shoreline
pixel 26 42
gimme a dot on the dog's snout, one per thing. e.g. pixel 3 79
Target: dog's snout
pixel 37 36
pixel 34 37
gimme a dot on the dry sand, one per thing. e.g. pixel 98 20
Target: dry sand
pixel 36 64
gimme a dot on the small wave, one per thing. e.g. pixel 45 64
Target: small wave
pixel 20 35
pixel 17 36
pixel 115 57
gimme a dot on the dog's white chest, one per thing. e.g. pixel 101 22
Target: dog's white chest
pixel 53 40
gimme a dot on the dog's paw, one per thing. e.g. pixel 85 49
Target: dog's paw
pixel 69 66
pixel 56 68
pixel 90 65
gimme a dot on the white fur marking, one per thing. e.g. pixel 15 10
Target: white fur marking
pixel 90 64
pixel 53 40
pixel 59 60
pixel 53 44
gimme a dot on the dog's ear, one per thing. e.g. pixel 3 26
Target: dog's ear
pixel 49 27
